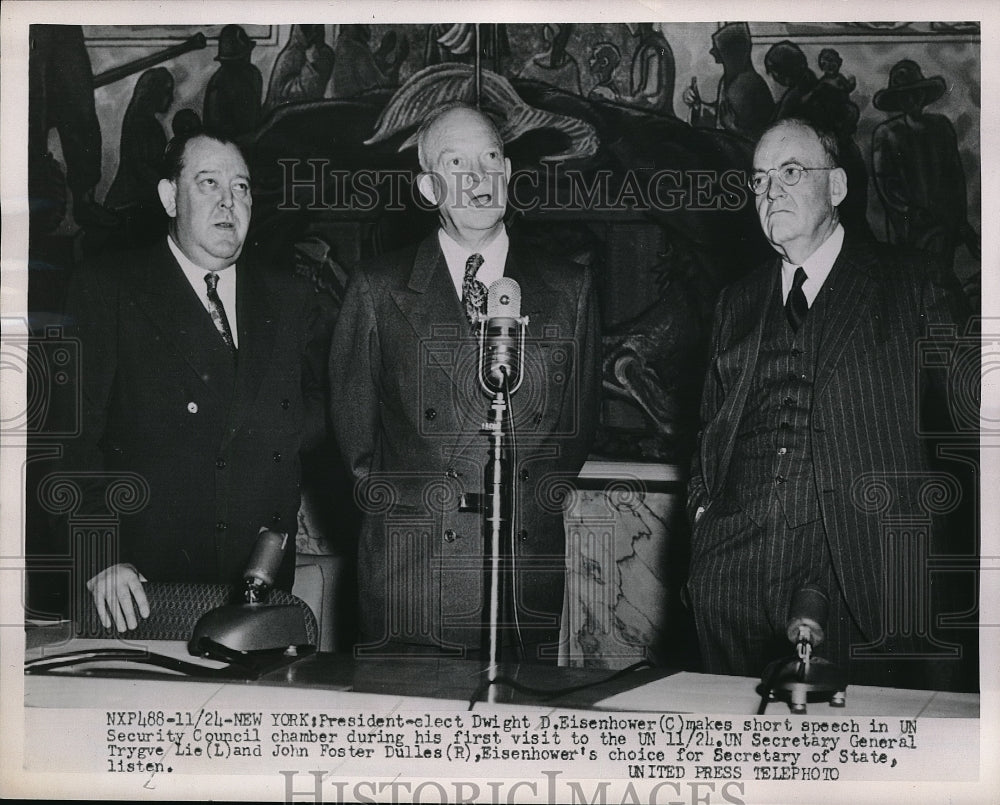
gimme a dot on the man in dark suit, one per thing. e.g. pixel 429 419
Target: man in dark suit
pixel 202 380
pixel 809 410
pixel 407 408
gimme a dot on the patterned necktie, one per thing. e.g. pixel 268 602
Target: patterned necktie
pixel 218 311
pixel 473 291
pixel 796 306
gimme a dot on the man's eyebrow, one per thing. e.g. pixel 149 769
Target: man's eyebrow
pixel 793 161
pixel 216 171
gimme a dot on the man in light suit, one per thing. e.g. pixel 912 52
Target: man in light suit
pixel 407 408
pixel 810 403
pixel 202 380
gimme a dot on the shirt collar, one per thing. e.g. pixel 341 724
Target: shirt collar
pixel 194 271
pixel 817 266
pixel 494 256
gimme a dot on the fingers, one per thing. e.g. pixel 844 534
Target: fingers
pixel 117 593
pixel 139 594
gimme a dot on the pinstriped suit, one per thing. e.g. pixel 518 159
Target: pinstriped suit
pixel 862 422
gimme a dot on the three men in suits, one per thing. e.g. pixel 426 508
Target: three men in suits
pixel 809 408
pixel 201 383
pixel 408 410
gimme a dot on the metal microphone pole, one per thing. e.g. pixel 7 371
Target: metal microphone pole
pixel 499 490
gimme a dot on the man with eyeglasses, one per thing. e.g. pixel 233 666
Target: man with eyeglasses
pixel 808 412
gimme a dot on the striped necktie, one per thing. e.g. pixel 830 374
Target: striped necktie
pixel 218 311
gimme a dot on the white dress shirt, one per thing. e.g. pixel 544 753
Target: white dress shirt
pixel 456 256
pixel 817 267
pixel 226 288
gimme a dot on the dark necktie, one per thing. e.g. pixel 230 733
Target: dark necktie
pixel 796 306
pixel 473 291
pixel 218 311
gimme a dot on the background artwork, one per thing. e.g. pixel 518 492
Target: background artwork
pixel 633 139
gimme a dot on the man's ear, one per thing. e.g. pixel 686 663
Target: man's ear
pixel 838 186
pixel 506 168
pixel 429 184
pixel 167 191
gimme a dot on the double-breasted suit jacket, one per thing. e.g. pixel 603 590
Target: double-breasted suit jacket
pixel 215 441
pixel 868 389
pixel 407 411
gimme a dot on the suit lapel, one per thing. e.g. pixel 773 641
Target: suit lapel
pixel 162 291
pixel 536 295
pixel 736 364
pixel 430 305
pixel 257 317
pixel 851 293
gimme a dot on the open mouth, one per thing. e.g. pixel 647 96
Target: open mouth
pixel 482 200
pixel 227 225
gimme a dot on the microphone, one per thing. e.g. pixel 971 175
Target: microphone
pixel 265 561
pixel 233 632
pixel 501 343
pixel 803 674
pixel 807 617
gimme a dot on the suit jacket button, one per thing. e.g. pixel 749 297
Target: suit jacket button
pixel 450 535
pixel 276 456
pixel 429 414
pixel 275 518
pixel 523 475
pixel 522 535
pixel 222 525
pixel 220 463
pixel 192 407
pixel 285 403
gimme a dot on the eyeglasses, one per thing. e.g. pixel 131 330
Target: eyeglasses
pixel 789 176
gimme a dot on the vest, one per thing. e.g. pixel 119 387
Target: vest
pixel 772 455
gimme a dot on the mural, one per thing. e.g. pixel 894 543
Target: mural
pixel 605 169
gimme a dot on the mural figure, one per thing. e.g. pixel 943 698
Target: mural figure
pixel 133 193
pixel 357 69
pixel 787 65
pixel 918 170
pixel 232 99
pixel 653 70
pixel 830 63
pixel 743 104
pixel 302 69
pixel 457 42
pixel 185 121
pixel 143 142
pixel 554 65
pixel 831 109
pixel 604 60
pixel 61 96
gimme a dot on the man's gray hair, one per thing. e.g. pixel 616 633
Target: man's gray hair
pixel 827 138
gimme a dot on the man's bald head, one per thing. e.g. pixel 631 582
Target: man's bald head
pixel 465 172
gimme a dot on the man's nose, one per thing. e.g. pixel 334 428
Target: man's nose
pixel 226 197
pixel 774 187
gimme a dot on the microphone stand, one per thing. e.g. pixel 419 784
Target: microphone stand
pixel 499 490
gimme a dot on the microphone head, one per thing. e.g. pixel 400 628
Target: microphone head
pixel 265 562
pixel 503 299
